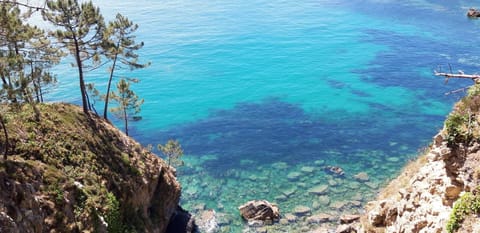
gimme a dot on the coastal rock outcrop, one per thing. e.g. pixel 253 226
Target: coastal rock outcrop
pixel 71 172
pixel 421 198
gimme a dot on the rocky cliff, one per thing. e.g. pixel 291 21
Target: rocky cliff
pixel 426 196
pixel 66 172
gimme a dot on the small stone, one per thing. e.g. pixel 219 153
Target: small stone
pixel 452 192
pixel 280 165
pixel 349 218
pixel 345 229
pixel 338 171
pixel 255 223
pixel 289 191
pixel 302 210
pixel 307 169
pixel 356 203
pixel 199 206
pixel 319 162
pixel 372 185
pixel 393 159
pixel 362 177
pixel 281 197
pixel 332 183
pixel 324 200
pixel 338 205
pixel 207 221
pixel 319 218
pixel 261 230
pixel 319 190
pixel 438 139
pixel 290 217
pixel 293 176
pixel 284 221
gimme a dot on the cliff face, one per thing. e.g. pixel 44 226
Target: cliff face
pixel 70 173
pixel 422 198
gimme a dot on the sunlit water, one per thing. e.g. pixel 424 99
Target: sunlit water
pixel 263 94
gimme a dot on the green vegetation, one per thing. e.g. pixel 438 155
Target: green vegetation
pixel 27 52
pixel 173 151
pixel 114 218
pixel 76 160
pixel 462 125
pixel 128 103
pixel 469 203
pixel 120 48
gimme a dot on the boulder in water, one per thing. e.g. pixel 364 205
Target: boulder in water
pixel 261 210
pixel 337 171
pixel 474 13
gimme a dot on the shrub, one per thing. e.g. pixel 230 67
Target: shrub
pixel 469 203
pixel 456 126
pixel 113 216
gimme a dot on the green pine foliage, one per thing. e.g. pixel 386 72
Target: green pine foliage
pixel 173 151
pixel 128 103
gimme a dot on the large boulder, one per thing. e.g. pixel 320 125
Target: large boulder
pixel 261 210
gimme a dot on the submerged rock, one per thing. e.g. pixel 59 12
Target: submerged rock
pixel 307 169
pixel 319 190
pixel 349 218
pixel 290 217
pixel 259 211
pixel 302 210
pixel 319 218
pixel 324 200
pixel 294 176
pixel 207 221
pixel 337 171
pixel 362 177
pixel 289 191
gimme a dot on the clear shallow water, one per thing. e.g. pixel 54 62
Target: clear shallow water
pixel 263 94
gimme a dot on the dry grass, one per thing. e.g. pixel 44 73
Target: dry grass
pixel 403 180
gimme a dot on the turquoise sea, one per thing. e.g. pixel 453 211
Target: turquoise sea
pixel 263 95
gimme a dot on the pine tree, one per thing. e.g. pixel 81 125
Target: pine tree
pixel 81 28
pixel 173 151
pixel 128 103
pixel 25 57
pixel 120 47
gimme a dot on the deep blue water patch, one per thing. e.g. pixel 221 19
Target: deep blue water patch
pixel 398 66
pixel 273 130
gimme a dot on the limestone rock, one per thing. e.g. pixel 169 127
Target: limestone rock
pixel 335 170
pixel 290 217
pixel 207 221
pixel 345 229
pixel 302 210
pixel 349 218
pixel 307 169
pixel 362 177
pixel 319 190
pixel 324 200
pixel 259 210
pixel 319 218
pixel 293 176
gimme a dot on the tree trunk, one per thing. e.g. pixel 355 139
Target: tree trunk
pixel 125 117
pixel 83 91
pixel 474 77
pixel 108 87
pixel 5 133
pixel 35 83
